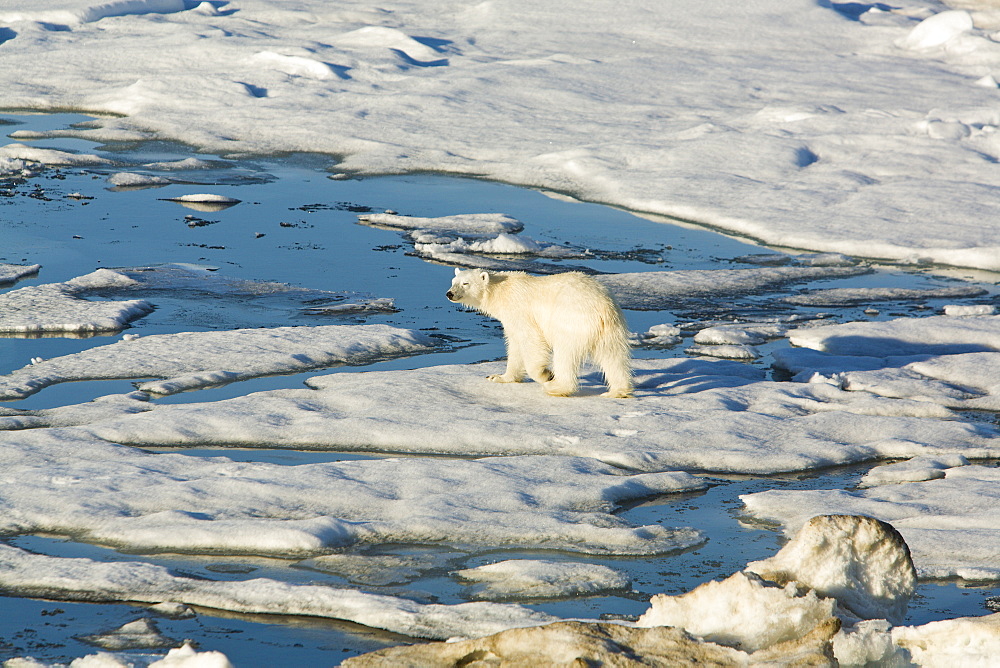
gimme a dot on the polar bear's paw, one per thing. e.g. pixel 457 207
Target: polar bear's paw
pixel 618 394
pixel 502 378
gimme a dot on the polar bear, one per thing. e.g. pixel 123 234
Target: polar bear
pixel 551 324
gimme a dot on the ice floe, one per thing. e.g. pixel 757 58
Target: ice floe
pixel 656 290
pixel 689 414
pixel 12 273
pixel 89 580
pixel 903 336
pixel 533 578
pixel 194 360
pixel 114 495
pixel 948 521
pixel 63 307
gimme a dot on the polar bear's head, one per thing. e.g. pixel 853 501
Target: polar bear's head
pixel 468 287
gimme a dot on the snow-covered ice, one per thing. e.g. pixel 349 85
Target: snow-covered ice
pixel 194 360
pixel 63 307
pixel 691 414
pixel 11 273
pixel 949 522
pixel 89 580
pixel 120 496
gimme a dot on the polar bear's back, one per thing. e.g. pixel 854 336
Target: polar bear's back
pixel 559 304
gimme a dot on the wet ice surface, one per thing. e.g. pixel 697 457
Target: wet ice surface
pixel 291 253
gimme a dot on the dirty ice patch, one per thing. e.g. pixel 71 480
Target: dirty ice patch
pixel 73 12
pixel 64 307
pixel 950 522
pixel 691 414
pixel 934 335
pixel 194 360
pixel 656 290
pixel 12 273
pixel 535 578
pixel 58 578
pixel 107 494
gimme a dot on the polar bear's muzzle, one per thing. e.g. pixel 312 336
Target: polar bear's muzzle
pixel 450 295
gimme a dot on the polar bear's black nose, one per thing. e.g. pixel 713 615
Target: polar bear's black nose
pixel 450 295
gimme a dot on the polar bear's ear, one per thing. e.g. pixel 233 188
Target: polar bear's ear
pixel 457 271
pixel 484 276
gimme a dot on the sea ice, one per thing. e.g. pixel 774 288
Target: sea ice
pixel 903 336
pixel 657 290
pixel 133 180
pixel 194 360
pixel 688 414
pixel 533 578
pixel 110 494
pixel 12 273
pixel 140 634
pixel 949 523
pixel 87 580
pixel 50 157
pixel 63 307
pixel 471 225
pixel 822 156
pixel 843 296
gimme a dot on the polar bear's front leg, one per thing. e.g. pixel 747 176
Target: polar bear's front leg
pixel 515 364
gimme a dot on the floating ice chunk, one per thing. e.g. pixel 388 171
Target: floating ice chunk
pixel 972 642
pixel 133 180
pixel 205 202
pixel 49 156
pixel 140 634
pixel 903 336
pixel 916 469
pixel 749 333
pixel 84 579
pixel 173 610
pixel 531 578
pixel 743 611
pixel 658 289
pixel 193 360
pixel 661 336
pixel 937 30
pixel 860 561
pixel 12 273
pixel 960 310
pixel 464 225
pixel 72 12
pixel 62 307
pixel 729 352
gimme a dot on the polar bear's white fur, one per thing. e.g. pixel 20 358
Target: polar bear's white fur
pixel 551 324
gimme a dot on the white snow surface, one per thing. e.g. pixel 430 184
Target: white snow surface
pixel 689 414
pixel 785 122
pixel 193 360
pixel 60 481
